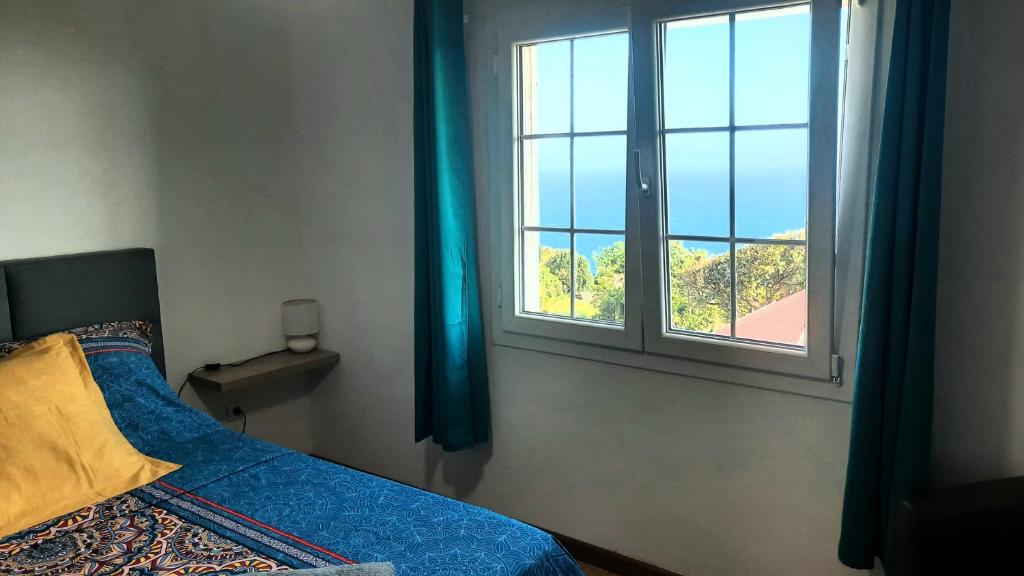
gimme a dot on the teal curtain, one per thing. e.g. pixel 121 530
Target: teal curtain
pixel 452 403
pixel 890 444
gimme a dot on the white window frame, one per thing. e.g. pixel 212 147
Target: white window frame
pixel 814 360
pixel 515 318
pixel 643 341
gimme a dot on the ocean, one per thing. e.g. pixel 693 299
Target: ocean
pixel 769 201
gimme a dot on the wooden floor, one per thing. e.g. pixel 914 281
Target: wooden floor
pixel 594 570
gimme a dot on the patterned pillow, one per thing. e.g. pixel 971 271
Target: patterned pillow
pixel 131 329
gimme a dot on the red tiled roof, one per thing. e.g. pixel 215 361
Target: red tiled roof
pixel 783 321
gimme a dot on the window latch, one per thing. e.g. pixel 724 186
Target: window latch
pixel 836 369
pixel 641 183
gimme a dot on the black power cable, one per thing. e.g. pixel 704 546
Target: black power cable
pixel 245 419
pixel 237 410
pixel 185 383
pixel 218 366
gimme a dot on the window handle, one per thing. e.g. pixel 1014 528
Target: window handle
pixel 641 182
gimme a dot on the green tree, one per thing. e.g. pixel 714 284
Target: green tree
pixel 700 283
pixel 557 261
pixel 555 282
pixel 702 289
pixel 699 286
pixel 768 273
pixel 609 295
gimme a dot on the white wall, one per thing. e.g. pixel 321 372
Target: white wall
pixel 161 124
pixel 230 228
pixel 979 396
pixel 77 157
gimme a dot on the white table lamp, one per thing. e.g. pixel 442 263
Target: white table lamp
pixel 301 321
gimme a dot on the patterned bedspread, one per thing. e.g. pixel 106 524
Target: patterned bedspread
pixel 126 535
pixel 239 505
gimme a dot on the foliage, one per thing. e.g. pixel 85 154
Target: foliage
pixel 700 288
pixel 769 273
pixel 556 282
pixel 609 296
pixel 700 282
pixel 556 261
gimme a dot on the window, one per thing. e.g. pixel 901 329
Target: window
pixel 572 135
pixel 673 185
pixel 733 138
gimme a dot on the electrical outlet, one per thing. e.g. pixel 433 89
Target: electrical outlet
pixel 229 411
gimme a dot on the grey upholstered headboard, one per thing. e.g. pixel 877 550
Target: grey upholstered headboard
pixel 40 296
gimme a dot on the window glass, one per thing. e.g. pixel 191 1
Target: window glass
pixel 545 87
pixel 736 173
pixel 600 72
pixel 600 182
pixel 696 76
pixel 773 64
pixel 572 181
pixel 697 174
pixel 546 182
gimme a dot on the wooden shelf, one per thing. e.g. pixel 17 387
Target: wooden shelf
pixel 264 370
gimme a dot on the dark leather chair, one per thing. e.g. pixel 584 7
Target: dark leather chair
pixel 974 529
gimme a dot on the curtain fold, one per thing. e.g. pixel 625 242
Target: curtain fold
pixel 452 403
pixel 890 444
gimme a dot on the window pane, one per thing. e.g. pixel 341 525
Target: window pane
pixel 697 165
pixel 771 293
pixel 600 165
pixel 601 277
pixel 701 286
pixel 773 65
pixel 771 182
pixel 600 70
pixel 844 20
pixel 696 73
pixel 546 182
pixel 546 281
pixel 545 87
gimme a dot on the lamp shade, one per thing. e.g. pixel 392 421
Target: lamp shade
pixel 300 317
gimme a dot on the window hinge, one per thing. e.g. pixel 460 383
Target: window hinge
pixel 837 370
pixel 499 295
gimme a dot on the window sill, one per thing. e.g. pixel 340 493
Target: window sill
pixel 811 387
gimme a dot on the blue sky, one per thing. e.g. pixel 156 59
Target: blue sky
pixel 772 67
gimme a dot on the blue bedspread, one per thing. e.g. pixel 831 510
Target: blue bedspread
pixel 302 511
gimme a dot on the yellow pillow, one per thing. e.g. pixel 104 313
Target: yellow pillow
pixel 59 448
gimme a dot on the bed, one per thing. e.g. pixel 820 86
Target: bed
pixel 237 504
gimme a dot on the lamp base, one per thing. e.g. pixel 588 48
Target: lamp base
pixel 302 344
